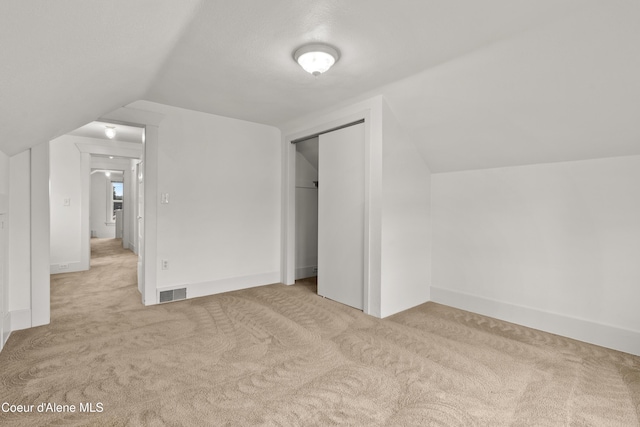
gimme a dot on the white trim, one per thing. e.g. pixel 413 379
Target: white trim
pixel 72 267
pixel 85 201
pixel 5 321
pixel 304 272
pixel 40 236
pixel 20 319
pixel 111 148
pixel 7 328
pixel 150 263
pixel 213 287
pixel 147 258
pixel 371 111
pixel 580 329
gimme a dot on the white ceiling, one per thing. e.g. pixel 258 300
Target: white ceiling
pixel 474 84
pixel 66 63
pixel 235 58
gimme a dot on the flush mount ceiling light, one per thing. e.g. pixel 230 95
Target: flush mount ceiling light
pixel 110 131
pixel 316 58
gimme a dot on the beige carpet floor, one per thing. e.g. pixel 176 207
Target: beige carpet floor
pixel 281 355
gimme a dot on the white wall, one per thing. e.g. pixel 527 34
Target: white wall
pixel 306 218
pixel 19 254
pixel 66 219
pixel 221 228
pixel 551 246
pixel 406 217
pixel 4 182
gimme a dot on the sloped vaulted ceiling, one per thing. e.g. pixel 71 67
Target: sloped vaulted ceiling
pixel 65 63
pixel 475 84
pixel 235 59
pixel 565 90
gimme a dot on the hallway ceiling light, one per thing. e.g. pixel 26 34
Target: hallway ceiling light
pixel 110 131
pixel 107 174
pixel 316 58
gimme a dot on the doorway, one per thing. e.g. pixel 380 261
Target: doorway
pixel 93 192
pixel 329 208
pixel 306 193
pixel 37 164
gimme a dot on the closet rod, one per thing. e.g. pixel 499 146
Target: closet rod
pixel 305 138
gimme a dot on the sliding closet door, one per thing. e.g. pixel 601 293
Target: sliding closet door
pixel 341 216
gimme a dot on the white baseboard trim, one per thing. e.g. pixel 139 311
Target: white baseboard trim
pixel 195 290
pixel 6 331
pixel 109 234
pixel 588 331
pixel 304 272
pixel 20 319
pixel 72 267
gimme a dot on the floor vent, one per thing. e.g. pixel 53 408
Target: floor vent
pixel 173 295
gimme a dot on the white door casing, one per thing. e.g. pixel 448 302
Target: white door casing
pixel 140 225
pixel 3 285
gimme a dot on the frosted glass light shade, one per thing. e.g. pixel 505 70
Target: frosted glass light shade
pixel 110 132
pixel 316 58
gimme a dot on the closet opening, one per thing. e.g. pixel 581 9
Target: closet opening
pixel 330 212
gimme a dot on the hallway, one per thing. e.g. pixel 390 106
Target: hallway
pixel 110 284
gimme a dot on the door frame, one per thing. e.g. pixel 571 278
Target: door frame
pixel 40 217
pixel 148 259
pixel 4 286
pixel 372 156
